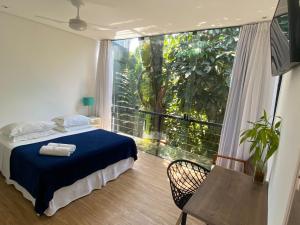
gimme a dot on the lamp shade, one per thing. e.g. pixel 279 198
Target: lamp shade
pixel 88 101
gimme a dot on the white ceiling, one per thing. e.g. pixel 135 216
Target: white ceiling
pixel 133 18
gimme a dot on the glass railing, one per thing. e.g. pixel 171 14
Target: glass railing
pixel 168 136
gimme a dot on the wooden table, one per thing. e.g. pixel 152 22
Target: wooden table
pixel 228 197
pixel 294 216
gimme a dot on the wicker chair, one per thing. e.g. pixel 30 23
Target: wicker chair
pixel 185 178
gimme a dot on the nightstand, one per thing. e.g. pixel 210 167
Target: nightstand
pixel 95 121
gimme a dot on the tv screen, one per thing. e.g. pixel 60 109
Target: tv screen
pixel 285 36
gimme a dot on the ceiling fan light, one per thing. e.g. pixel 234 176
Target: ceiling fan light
pixel 77 24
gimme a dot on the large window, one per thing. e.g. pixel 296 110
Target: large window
pixel 170 91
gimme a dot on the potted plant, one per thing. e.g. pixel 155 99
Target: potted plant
pixel 264 140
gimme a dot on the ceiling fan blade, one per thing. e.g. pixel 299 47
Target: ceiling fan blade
pixel 51 19
pixel 100 27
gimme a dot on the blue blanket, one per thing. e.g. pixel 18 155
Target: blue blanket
pixel 42 175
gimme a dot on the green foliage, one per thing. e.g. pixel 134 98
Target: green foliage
pixel 127 67
pixel 263 138
pixel 125 78
pixel 153 81
pixel 200 65
pixel 179 74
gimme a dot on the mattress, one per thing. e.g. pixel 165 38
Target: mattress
pixel 64 195
pixel 6 147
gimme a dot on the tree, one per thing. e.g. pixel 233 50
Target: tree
pixel 153 81
pixel 200 65
pixel 127 67
pixel 181 74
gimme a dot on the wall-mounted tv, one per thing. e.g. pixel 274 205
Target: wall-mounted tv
pixel 285 36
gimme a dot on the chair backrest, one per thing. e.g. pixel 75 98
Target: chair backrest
pixel 248 167
pixel 186 175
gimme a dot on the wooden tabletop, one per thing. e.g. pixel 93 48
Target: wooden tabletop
pixel 228 197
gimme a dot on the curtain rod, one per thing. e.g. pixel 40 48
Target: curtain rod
pixel 188 31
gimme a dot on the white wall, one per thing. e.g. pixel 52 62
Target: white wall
pixel 286 162
pixel 44 71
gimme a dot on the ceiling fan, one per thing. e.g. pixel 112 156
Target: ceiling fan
pixel 77 23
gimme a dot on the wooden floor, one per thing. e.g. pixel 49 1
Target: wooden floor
pixel 141 196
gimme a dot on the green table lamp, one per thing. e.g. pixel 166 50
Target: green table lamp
pixel 89 102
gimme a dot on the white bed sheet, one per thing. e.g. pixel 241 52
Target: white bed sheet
pixel 65 195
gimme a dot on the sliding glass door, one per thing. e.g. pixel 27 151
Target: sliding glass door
pixel 170 91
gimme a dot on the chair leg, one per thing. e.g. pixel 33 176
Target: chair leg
pixel 178 222
pixel 183 218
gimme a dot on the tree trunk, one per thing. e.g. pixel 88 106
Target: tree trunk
pixel 156 79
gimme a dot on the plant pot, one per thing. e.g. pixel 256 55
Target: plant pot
pixel 259 173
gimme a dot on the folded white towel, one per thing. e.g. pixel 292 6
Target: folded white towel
pixel 69 147
pixel 55 151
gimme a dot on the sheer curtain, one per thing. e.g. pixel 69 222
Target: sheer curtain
pixel 104 84
pixel 253 89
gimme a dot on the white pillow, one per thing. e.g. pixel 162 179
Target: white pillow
pixel 31 136
pixel 73 128
pixel 23 128
pixel 70 121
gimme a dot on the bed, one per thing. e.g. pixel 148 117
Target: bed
pixel 51 183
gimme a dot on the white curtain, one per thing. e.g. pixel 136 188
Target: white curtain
pixel 104 84
pixel 253 90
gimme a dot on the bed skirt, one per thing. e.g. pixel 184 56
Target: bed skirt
pixel 82 187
